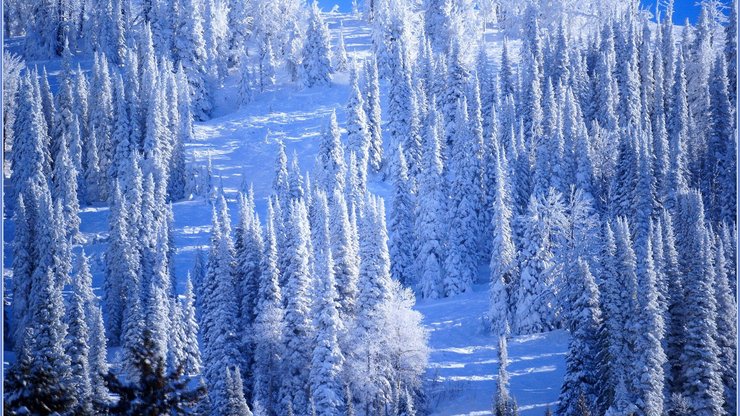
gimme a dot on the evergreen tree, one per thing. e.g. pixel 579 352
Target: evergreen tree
pixel 246 82
pixel 345 255
pixel 298 330
pixel 218 312
pixel 726 326
pixel 327 361
pixel 647 330
pixel 503 403
pixel 331 167
pixel 401 243
pixel 700 353
pixel 24 262
pixel 98 357
pixel 503 252
pixel 316 50
pixel 372 102
pixel 267 64
pixel 340 52
pixel 190 49
pixel 192 364
pixel 121 271
pixel 43 379
pixel 584 351
pixel 77 347
pixel 461 261
pixel 720 154
pixel 238 19
pixel 65 190
pixel 268 329
pixel 536 306
pixel 249 250
pixel 429 214
pixel 30 157
pixel 236 404
pixel 358 134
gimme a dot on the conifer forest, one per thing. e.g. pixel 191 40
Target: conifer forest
pixel 369 208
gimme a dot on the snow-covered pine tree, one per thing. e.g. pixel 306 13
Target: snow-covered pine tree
pixel 327 360
pixel 218 312
pixel 430 212
pixel 730 51
pixel 503 403
pixel 267 64
pixel 280 186
pixel 120 272
pixel 30 157
pixel 98 357
pixel 23 266
pixel 677 122
pixel 503 262
pixel 101 120
pixel 246 82
pixel 646 332
pixel 249 248
pixel 214 42
pixel 190 52
pixel 77 347
pixel 532 77
pixel 375 272
pixel 462 207
pixel 345 256
pixel 401 242
pixel 585 352
pixel 46 383
pixel 536 308
pixel 372 110
pixel 726 325
pixel 703 387
pixel 340 52
pixel 358 134
pixel 296 189
pixel 48 109
pixel 298 329
pixel 316 50
pixel 330 169
pixel 438 15
pixel 191 351
pixel 65 190
pixel 720 184
pixel 64 104
pixel 236 404
pixel 239 20
pixel 268 328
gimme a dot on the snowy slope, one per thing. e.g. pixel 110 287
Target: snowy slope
pixel 242 144
pixel 463 362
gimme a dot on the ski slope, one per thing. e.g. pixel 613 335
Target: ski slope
pixel 242 144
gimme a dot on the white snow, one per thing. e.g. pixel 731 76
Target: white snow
pixel 461 377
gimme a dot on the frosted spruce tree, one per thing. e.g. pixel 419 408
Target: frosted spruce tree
pixel 429 214
pixel 401 243
pixel 503 403
pixel 316 51
pixel 298 329
pixel 327 359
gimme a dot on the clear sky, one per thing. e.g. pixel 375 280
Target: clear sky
pixel 683 8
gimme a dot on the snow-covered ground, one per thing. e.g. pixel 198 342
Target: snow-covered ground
pixel 463 363
pixel 242 144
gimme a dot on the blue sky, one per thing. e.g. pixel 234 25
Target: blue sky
pixel 683 8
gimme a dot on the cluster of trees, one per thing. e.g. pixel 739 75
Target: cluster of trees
pixel 597 176
pixel 304 310
pixel 207 37
pixel 300 317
